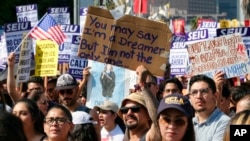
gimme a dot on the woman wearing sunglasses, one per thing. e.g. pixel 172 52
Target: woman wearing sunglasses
pixel 174 116
pixel 58 124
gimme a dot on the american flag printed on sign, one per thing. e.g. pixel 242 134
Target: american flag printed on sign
pixel 48 28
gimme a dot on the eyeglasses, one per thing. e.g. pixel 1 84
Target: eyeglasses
pixel 134 109
pixel 203 91
pixel 177 121
pixel 68 91
pixel 58 120
pixel 44 102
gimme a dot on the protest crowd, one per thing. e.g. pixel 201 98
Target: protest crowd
pixel 200 104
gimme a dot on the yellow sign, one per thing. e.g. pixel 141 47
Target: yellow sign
pixel 46 58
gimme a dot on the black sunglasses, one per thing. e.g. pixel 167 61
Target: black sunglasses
pixel 134 109
pixel 177 122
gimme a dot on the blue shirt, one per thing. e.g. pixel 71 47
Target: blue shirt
pixel 213 128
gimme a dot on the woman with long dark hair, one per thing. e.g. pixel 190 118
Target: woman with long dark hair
pixel 31 117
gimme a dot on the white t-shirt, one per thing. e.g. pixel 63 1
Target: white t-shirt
pixel 115 135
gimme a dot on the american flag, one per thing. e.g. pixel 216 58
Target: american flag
pixel 48 28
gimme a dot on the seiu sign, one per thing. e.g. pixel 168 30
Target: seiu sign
pixel 244 31
pixel 197 35
pixel 13 27
pixel 58 10
pixel 25 8
pixel 70 28
pixel 208 24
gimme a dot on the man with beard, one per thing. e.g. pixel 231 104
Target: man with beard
pixel 68 90
pixel 209 122
pixel 138 111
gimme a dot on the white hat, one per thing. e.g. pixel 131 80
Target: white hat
pixel 81 117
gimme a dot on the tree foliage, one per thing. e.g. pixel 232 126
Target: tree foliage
pixel 8 8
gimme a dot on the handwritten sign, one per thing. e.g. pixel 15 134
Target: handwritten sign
pixel 46 58
pixel 126 42
pixel 23 69
pixel 226 53
pixel 243 31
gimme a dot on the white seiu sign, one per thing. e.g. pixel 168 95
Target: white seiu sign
pixel 27 13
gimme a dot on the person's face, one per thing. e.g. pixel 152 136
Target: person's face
pixel 51 93
pixel 170 88
pixel 109 67
pixel 68 97
pixel 134 115
pixel 224 105
pixel 57 130
pixel 153 87
pixel 20 110
pixel 173 125
pixel 82 100
pixel 201 96
pixel 34 86
pixel 106 118
pixel 43 104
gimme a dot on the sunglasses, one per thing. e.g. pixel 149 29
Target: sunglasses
pixel 68 91
pixel 58 120
pixel 134 109
pixel 176 122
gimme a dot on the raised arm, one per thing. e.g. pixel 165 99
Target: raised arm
pixel 11 82
pixel 85 75
pixel 151 103
pixel 219 81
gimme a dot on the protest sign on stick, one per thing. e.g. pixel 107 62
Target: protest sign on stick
pixel 127 42
pixel 46 58
pixel 226 53
pixel 23 69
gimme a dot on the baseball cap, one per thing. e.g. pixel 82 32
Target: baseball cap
pixel 176 101
pixel 108 105
pixel 66 81
pixel 81 117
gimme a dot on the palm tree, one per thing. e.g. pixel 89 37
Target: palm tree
pixel 246 8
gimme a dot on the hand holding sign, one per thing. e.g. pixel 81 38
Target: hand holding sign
pixel 86 73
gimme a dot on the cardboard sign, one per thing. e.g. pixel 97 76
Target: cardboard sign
pixel 226 53
pixel 46 58
pixel 127 42
pixel 23 69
